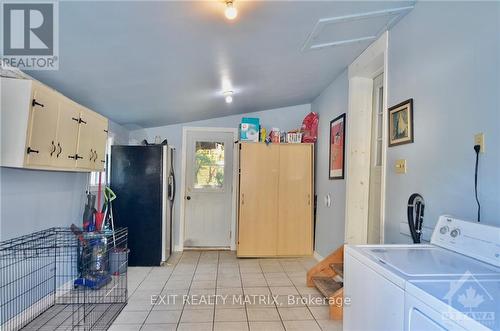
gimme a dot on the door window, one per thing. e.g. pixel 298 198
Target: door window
pixel 209 165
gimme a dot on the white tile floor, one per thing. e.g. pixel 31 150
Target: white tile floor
pixel 214 290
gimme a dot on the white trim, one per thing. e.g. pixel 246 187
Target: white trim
pixel 397 14
pixel 383 181
pixel 180 246
pixel 361 73
pixel 317 256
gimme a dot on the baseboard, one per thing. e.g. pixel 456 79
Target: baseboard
pixel 317 256
pixel 178 248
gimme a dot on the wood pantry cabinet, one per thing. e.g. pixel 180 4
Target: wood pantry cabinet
pixel 275 215
pixel 42 129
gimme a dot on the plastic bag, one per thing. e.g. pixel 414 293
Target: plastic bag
pixel 310 128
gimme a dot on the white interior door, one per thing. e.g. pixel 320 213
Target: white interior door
pixel 376 162
pixel 209 184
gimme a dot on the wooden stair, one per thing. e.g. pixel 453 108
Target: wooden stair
pixel 327 277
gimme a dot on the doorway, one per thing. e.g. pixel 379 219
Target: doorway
pixel 375 191
pixel 208 188
pixel 366 146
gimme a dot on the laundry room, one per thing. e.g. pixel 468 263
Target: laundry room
pixel 250 165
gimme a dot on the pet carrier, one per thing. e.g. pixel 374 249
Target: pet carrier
pixel 60 278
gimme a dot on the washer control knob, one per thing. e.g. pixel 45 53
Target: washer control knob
pixel 444 229
pixel 455 233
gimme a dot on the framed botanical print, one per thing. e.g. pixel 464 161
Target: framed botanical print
pixel 337 148
pixel 401 123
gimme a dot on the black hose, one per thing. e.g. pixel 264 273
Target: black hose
pixel 477 148
pixel 415 214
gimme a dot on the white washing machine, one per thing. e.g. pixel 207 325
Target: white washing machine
pixel 451 284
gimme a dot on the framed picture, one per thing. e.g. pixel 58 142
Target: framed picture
pixel 401 123
pixel 337 148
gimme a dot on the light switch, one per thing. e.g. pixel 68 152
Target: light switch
pixel 400 166
pixel 479 140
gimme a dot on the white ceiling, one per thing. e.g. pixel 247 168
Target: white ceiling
pixel 156 63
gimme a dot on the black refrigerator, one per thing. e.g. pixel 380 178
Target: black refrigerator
pixel 143 180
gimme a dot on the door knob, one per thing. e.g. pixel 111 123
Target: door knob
pixel 188 197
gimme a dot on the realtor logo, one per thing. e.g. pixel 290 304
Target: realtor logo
pixel 30 35
pixel 472 300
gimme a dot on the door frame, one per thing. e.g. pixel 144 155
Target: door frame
pixel 234 188
pixel 371 63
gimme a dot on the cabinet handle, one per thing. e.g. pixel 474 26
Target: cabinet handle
pixel 75 119
pixel 102 161
pixel 95 159
pixel 242 198
pixel 35 103
pixel 91 158
pixel 53 148
pixel 106 131
pixel 76 157
pixel 308 199
pixel 60 150
pixel 81 121
pixel 30 150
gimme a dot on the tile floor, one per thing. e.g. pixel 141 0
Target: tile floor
pixel 213 290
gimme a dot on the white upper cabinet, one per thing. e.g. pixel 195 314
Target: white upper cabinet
pixel 100 138
pixel 42 129
pixel 67 134
pixel 84 153
pixel 41 137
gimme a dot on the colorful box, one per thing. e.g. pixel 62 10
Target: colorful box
pixel 249 129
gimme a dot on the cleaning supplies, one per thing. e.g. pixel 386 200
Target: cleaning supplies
pixel 263 134
pixel 88 212
pixel 275 135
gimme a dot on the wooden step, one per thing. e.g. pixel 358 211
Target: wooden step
pixel 327 285
pixel 338 268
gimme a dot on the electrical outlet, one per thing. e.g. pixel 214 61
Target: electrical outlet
pixel 479 140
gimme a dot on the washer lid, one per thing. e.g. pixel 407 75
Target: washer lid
pixel 425 261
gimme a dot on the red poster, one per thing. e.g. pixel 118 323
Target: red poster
pixel 337 147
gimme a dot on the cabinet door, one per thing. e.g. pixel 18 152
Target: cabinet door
pixel 67 134
pixel 258 216
pixel 43 127
pixel 84 152
pixel 295 200
pixel 100 139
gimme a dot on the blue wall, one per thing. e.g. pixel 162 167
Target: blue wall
pixel 32 200
pixel 330 221
pixel 446 57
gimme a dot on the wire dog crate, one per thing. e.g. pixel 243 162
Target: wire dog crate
pixel 62 279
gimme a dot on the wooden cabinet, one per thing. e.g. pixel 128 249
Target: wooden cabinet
pixel 84 152
pixel 99 140
pixel 42 129
pixel 275 200
pixel 257 226
pixel 43 126
pixel 295 211
pixel 67 128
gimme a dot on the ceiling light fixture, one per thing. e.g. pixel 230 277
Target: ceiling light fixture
pixel 228 96
pixel 231 12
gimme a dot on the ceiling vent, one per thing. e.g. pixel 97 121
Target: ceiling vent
pixel 356 28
